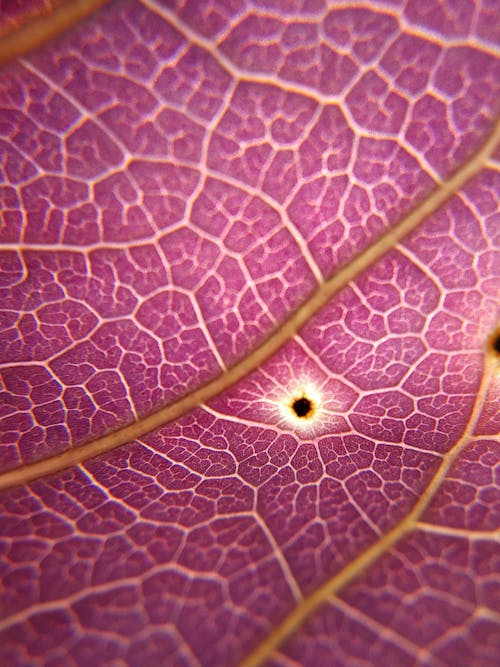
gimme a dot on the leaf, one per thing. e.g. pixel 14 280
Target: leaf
pixel 210 216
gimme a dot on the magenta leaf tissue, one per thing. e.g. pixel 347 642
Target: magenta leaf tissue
pixel 250 338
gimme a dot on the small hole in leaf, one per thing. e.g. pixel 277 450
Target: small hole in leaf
pixel 495 344
pixel 302 407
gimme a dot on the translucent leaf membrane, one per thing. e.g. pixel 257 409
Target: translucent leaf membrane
pixel 175 183
pixel 170 196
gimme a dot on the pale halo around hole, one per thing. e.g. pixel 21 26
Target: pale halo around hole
pixel 288 416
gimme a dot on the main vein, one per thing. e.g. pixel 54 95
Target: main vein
pixel 77 455
pixel 332 586
pixel 36 30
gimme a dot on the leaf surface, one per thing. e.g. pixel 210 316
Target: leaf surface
pixel 209 212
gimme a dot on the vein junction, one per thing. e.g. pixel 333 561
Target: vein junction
pixel 75 456
pixel 410 522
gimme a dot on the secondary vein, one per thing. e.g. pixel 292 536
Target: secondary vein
pixel 319 298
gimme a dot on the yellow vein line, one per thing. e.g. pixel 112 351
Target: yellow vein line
pixel 330 588
pixel 75 456
pixel 462 533
pixel 41 28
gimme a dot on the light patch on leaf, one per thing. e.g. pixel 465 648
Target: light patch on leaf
pixel 302 408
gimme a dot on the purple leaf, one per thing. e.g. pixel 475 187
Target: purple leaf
pixel 249 291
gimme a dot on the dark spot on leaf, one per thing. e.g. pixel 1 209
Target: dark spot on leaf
pixel 495 343
pixel 302 407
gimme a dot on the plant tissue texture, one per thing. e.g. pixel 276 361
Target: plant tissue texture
pixel 178 181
